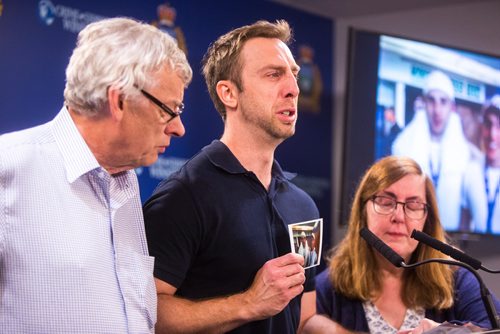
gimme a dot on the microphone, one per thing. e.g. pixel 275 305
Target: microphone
pixel 445 248
pixel 398 261
pixel 448 250
pixel 382 248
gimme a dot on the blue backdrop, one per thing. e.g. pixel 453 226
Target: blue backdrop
pixel 37 37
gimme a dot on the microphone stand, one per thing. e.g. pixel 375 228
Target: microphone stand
pixel 485 293
pixel 398 261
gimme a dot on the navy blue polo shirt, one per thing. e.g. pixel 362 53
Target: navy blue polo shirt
pixel 212 225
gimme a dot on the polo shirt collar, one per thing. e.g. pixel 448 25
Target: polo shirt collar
pixel 222 157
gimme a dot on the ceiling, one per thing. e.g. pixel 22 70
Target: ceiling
pixel 350 8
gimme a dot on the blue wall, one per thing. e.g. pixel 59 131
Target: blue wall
pixel 35 47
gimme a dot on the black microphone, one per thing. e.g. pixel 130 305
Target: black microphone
pixel 446 249
pixel 450 251
pixel 382 248
pixel 398 261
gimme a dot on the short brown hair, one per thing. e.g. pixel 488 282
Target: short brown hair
pixel 492 106
pixel 222 60
pixel 353 268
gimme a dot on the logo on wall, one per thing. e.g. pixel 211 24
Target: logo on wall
pixel 310 82
pixel 46 12
pixel 72 19
pixel 166 23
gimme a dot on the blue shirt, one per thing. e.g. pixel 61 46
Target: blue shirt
pixel 73 253
pixel 212 225
pixel 349 313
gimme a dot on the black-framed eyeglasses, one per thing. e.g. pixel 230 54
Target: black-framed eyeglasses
pixel 164 108
pixel 386 205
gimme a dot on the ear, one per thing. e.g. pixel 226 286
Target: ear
pixel 228 93
pixel 115 102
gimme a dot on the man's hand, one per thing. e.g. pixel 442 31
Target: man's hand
pixel 275 284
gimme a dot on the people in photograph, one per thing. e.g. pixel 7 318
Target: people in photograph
pixel 218 228
pixel 304 249
pixel 361 291
pixel 435 139
pixel 313 255
pixel 481 197
pixel 73 252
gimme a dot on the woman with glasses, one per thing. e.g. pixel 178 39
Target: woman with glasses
pixel 362 291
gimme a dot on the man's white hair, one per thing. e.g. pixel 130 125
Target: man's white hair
pixel 121 53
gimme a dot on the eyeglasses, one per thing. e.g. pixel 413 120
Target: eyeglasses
pixel 165 109
pixel 387 205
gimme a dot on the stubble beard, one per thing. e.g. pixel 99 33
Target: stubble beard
pixel 268 125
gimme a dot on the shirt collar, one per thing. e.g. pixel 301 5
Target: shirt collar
pixel 221 156
pixel 77 156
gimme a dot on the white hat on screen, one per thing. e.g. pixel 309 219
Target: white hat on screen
pixel 437 80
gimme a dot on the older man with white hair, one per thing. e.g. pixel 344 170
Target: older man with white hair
pixel 73 251
pixel 435 139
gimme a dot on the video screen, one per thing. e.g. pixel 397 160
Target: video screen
pixel 438 105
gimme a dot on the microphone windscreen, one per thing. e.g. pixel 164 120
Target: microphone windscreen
pixel 381 247
pixel 446 249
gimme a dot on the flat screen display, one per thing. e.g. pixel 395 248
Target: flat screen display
pixel 436 104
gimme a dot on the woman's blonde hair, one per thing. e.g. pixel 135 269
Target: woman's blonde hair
pixel 353 268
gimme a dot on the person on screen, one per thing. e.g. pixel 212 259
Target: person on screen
pixel 361 291
pixel 390 131
pixel 73 252
pixel 481 199
pixel 218 227
pixel 435 139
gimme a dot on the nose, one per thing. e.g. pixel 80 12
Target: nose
pixel 440 108
pixel 175 128
pixel 490 132
pixel 292 88
pixel 398 215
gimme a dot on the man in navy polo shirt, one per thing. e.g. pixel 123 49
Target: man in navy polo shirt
pixel 218 227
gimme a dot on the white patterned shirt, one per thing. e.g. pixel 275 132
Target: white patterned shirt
pixel 73 252
pixel 378 325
